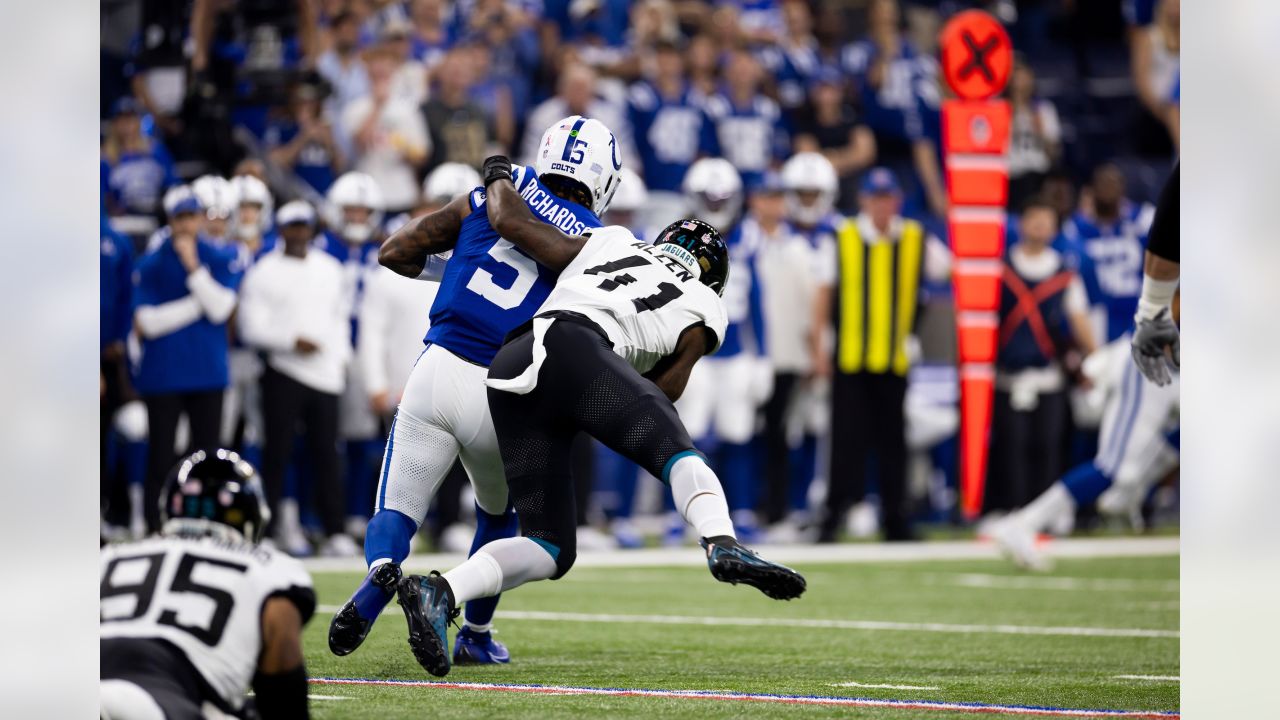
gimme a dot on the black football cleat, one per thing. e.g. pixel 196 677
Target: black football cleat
pixel 349 627
pixel 732 563
pixel 429 609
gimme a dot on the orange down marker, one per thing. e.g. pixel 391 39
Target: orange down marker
pixel 977 59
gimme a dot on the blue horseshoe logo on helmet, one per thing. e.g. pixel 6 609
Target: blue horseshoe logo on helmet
pixel 613 152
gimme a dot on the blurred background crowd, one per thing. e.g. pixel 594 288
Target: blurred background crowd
pixel 235 132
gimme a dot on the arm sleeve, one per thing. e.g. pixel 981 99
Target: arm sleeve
pixel 255 321
pixel 937 260
pixel 1164 240
pixel 159 320
pixel 1075 298
pixel 433 268
pixel 216 300
pixel 281 695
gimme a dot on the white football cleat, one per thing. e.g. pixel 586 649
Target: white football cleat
pixel 1018 544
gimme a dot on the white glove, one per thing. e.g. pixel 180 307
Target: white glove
pixel 131 421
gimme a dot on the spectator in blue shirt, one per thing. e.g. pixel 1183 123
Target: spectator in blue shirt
pixel 136 168
pixel 749 126
pixel 900 100
pixel 184 292
pixel 303 143
pixel 670 130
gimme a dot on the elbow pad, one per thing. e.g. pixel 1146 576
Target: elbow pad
pixel 281 695
pixel 433 268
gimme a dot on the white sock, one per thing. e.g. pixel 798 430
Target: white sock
pixel 1040 513
pixel 699 497
pixel 500 566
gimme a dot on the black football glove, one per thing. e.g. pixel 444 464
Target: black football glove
pixel 1150 340
pixel 496 167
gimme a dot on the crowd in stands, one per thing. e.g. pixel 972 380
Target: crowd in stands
pixel 255 153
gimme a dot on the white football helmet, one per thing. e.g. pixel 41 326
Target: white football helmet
pixel 354 189
pixel 582 149
pixel 632 194
pixel 250 190
pixel 216 195
pixel 714 190
pixel 449 181
pixel 809 171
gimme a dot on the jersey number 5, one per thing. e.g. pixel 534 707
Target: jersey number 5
pixel 482 282
pixel 145 589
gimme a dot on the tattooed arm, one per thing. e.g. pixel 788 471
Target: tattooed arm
pixel 408 249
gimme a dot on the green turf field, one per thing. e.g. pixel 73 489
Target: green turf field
pixel 974 630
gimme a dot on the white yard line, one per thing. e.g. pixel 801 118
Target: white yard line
pixel 1024 582
pixel 706 695
pixel 832 624
pixel 1150 678
pixel 328 697
pixel 877 686
pixel 840 553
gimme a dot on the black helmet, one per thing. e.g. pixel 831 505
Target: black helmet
pixel 710 254
pixel 216 487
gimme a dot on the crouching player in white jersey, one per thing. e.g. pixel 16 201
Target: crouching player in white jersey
pixel 488 287
pixel 606 355
pixel 192 618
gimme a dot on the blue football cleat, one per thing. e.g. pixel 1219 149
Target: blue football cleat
pixel 732 563
pixel 351 624
pixel 428 608
pixel 478 648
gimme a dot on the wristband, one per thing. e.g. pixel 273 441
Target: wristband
pixel 1156 296
pixel 496 167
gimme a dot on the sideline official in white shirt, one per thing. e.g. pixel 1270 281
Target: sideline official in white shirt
pixel 295 306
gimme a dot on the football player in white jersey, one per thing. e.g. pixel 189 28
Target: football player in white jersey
pixel 194 617
pixel 607 353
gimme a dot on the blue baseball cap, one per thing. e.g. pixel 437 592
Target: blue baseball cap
pixel 769 183
pixel 181 199
pixel 879 181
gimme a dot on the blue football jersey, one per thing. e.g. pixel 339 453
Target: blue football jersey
pixel 490 286
pixel 752 136
pixel 910 81
pixel 1108 257
pixel 669 134
pixel 743 302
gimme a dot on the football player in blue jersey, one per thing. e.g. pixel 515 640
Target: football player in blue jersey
pixel 749 126
pixel 488 287
pixel 715 195
pixel 1107 242
pixel 671 131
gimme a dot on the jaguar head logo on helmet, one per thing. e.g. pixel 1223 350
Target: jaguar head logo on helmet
pixel 579 158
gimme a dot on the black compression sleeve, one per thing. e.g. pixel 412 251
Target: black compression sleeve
pixel 281 695
pixel 1164 240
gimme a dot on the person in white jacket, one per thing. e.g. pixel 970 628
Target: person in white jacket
pixel 295 307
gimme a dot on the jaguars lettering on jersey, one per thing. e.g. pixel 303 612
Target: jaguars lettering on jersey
pixel 641 298
pixel 490 286
pixel 205 597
